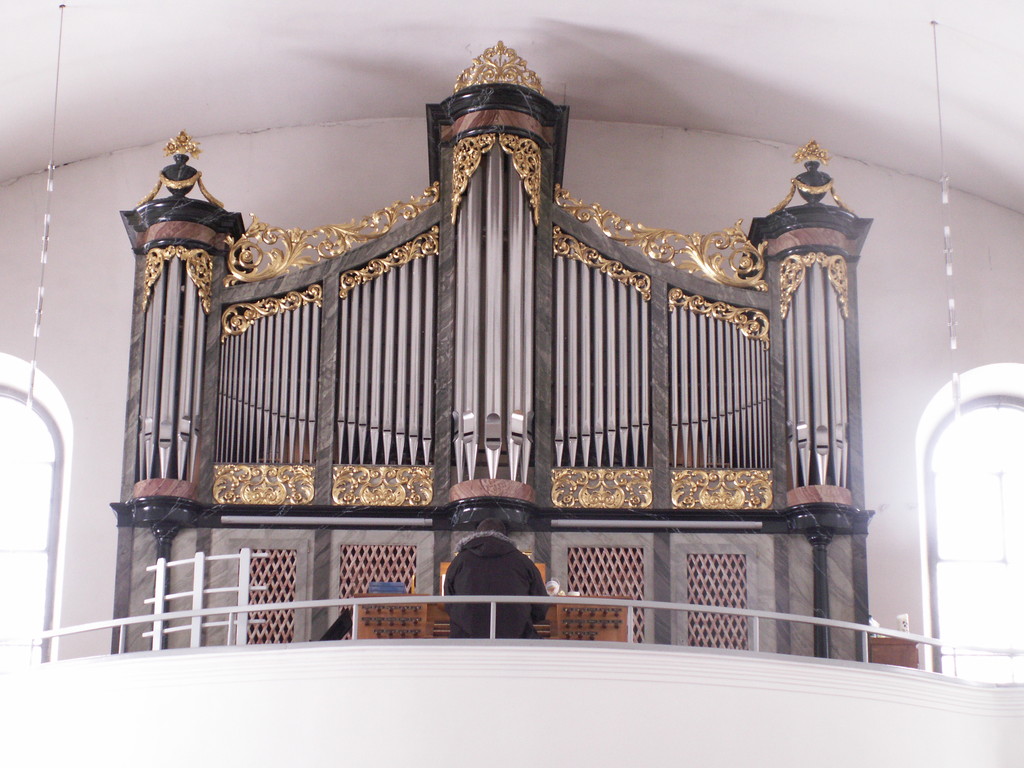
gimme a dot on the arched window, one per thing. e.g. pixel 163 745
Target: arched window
pixel 973 472
pixel 32 450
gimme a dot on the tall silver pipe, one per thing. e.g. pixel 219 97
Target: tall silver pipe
pixel 678 385
pixel 462 256
pixel 586 312
pixel 494 268
pixel 572 345
pixel 261 399
pixel 426 391
pixel 728 383
pixel 635 382
pixel 839 389
pixel 526 313
pixel 816 284
pixel 169 366
pixel 798 310
pixel 389 290
pixel 764 382
pixel 223 402
pixel 191 326
pixel 597 366
pixel 344 373
pixel 514 362
pixel 305 353
pixel 250 393
pixel 560 354
pixel 471 336
pixel 623 377
pixel 376 369
pixel 419 341
pixel 273 389
pixel 151 382
pixel 294 364
pixel 612 369
pixel 352 313
pixel 313 379
pixel 402 353
pixel 363 411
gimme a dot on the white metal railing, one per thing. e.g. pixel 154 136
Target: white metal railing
pixel 235 622
pixel 235 617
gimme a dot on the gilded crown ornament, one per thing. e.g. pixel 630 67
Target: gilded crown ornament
pixel 811 151
pixel 182 144
pixel 499 65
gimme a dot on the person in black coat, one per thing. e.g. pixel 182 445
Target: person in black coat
pixel 488 563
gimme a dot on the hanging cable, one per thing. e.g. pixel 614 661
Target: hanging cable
pixel 947 232
pixel 44 252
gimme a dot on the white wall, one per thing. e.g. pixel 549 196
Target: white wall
pixel 479 704
pixel 690 181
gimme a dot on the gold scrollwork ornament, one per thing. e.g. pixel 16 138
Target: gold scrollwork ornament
pixel 569 247
pixel 422 246
pixel 263 484
pixel 794 267
pixel 601 488
pixel 249 262
pixel 198 265
pixel 383 486
pixel 722 489
pixel 499 64
pixel 752 323
pixel 238 318
pixel 526 159
pixel 726 257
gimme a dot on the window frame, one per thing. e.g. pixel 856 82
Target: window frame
pixel 938 429
pixel 56 504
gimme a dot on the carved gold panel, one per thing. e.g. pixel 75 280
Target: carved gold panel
pixel 569 247
pixel 722 489
pixel 383 486
pixel 238 318
pixel 198 265
pixel 752 322
pixel 793 269
pixel 726 257
pixel 417 248
pixel 597 488
pixel 248 261
pixel 263 484
pixel 469 152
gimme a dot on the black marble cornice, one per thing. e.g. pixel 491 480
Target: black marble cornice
pixel 812 216
pixel 211 224
pixel 500 107
pixel 827 518
pixel 517 514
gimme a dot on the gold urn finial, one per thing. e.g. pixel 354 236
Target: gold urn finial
pixel 180 177
pixel 811 151
pixel 182 144
pixel 499 65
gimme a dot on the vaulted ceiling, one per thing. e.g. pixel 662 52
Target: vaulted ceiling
pixel 860 77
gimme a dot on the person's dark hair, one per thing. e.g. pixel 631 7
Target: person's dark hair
pixel 493 525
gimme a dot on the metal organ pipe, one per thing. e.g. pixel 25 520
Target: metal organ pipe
pixel 494 322
pixel 494 294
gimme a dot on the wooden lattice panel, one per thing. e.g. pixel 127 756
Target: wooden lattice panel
pixel 609 572
pixel 363 563
pixel 276 572
pixel 719 580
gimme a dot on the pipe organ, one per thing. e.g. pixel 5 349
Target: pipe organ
pixel 656 414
